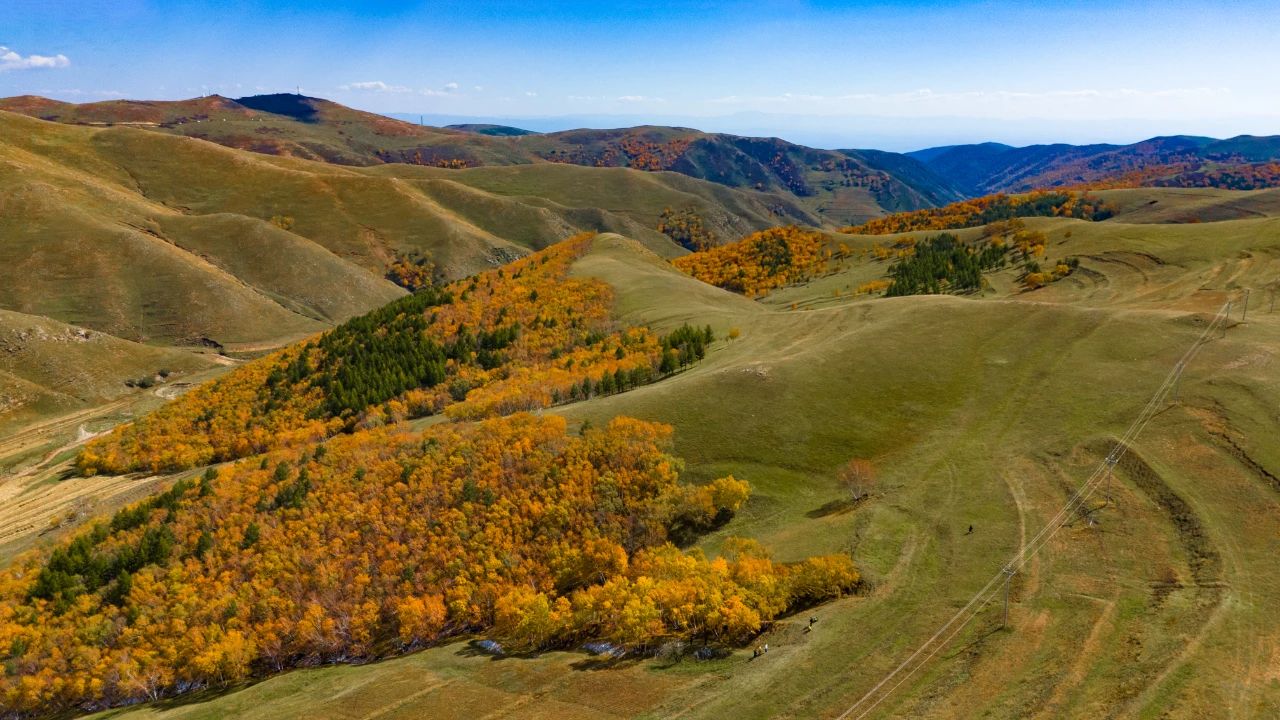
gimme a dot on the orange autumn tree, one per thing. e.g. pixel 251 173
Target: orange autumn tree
pixel 762 261
pixel 857 477
pixel 521 337
pixel 378 541
pixel 988 209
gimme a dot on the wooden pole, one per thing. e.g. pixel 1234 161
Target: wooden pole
pixel 1008 577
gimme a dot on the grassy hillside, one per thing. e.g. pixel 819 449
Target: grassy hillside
pixel 166 239
pixel 983 411
pixel 531 203
pixel 49 368
pixel 59 385
pixel 1190 205
pixel 286 125
pixel 835 185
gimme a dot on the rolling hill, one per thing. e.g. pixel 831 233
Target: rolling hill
pixel 1241 163
pixel 49 368
pixel 837 187
pixel 157 238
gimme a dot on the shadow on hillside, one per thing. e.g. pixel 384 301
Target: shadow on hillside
pixel 297 107
pixel 598 661
pixel 603 662
pixel 169 703
pixel 835 507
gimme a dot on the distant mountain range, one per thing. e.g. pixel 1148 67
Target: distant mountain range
pixel 1243 162
pixel 828 188
pixel 488 129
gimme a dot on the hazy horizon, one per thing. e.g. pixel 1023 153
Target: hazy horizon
pixel 855 132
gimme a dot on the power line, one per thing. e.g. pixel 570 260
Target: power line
pixel 980 599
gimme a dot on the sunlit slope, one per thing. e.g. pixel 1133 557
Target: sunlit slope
pixel 47 367
pixel 284 125
pixel 983 411
pixel 648 290
pixel 80 248
pixel 1164 267
pixel 1190 205
pixel 358 219
pixel 169 239
pixel 610 199
pixel 987 413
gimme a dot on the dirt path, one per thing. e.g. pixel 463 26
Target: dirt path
pixel 40 432
pixel 35 498
pixel 1080 668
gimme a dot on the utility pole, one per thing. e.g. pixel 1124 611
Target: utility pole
pixel 1112 459
pixel 1226 319
pixel 1177 380
pixel 1245 312
pixel 1008 577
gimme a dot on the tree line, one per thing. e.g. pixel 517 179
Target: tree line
pixel 521 337
pixel 989 209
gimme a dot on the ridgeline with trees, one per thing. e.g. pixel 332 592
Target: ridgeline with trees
pixel 987 210
pixel 521 337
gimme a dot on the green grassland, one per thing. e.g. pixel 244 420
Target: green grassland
pixel 1190 205
pixel 49 368
pixel 60 385
pixel 986 410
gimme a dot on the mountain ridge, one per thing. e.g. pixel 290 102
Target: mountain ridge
pixel 839 187
pixel 1172 160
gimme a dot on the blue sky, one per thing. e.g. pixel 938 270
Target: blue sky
pixel 878 74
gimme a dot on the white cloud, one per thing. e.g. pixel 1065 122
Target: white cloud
pixel 77 92
pixel 639 99
pixel 448 89
pixel 375 86
pixel 479 88
pixel 530 93
pixel 11 60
